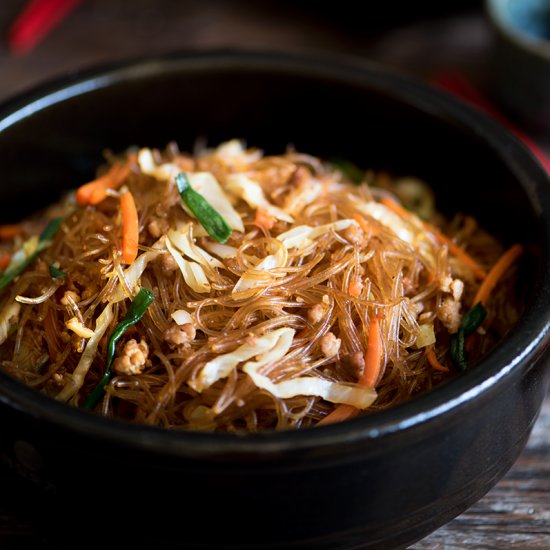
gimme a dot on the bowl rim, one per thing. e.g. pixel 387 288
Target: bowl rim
pixel 519 352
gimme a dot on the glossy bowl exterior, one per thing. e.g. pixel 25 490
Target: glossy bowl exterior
pixel 382 481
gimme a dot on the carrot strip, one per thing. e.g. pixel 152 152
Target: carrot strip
pixel 130 227
pixel 373 363
pixel 115 181
pixel 363 224
pixel 373 357
pixel 394 206
pixel 434 361
pixel 5 260
pixel 340 413
pixel 9 231
pixel 95 191
pixel 456 250
pixel 264 219
pixel 460 253
pixel 496 272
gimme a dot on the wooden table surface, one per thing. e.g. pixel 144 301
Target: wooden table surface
pixel 516 512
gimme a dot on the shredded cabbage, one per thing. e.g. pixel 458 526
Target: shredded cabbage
pixel 76 379
pixel 162 172
pixel 193 274
pixel 182 317
pixel 233 151
pixel 335 392
pixel 78 328
pixel 260 274
pixel 273 347
pixel 8 315
pixel 222 365
pixel 207 185
pixel 301 236
pixel 251 192
pixel 182 239
pixel 132 275
pixel 224 251
pixel 425 336
pixel 389 219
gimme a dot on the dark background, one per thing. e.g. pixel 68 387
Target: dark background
pixel 421 38
pixel 399 33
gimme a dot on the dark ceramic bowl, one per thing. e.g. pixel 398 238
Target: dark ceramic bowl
pixel 381 481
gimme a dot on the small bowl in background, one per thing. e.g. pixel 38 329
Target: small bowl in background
pixel 519 64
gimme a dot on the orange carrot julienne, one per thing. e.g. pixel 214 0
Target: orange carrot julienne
pixel 373 363
pixel 115 180
pixel 363 224
pixel 496 272
pixel 460 253
pixel 394 206
pixel 130 227
pixel 368 228
pixel 455 249
pixel 434 361
pixel 340 413
pixel 9 231
pixel 96 191
pixel 264 219
pixel 373 357
pixel 5 260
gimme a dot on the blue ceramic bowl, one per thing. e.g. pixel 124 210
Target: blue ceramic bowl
pixel 381 481
pixel 519 67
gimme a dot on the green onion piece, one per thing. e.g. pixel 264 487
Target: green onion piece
pixel 470 322
pixel 208 217
pixel 56 273
pixel 143 299
pixel 473 319
pixel 349 169
pixel 43 242
pixel 51 229
pixel 458 350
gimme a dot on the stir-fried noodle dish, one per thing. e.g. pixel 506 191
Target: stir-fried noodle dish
pixel 231 290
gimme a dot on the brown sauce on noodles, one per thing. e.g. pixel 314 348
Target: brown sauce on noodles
pixel 326 296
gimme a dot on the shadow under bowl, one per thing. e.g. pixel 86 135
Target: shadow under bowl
pixel 381 481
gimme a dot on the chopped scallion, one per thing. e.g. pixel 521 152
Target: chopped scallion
pixel 56 273
pixel 470 322
pixel 212 221
pixel 16 269
pixel 143 299
pixel 349 169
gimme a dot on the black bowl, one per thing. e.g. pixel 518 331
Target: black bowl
pixel 382 481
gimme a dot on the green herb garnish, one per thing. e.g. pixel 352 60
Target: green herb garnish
pixel 143 299
pixel 470 322
pixel 349 169
pixel 50 230
pixel 18 267
pixel 208 217
pixel 56 273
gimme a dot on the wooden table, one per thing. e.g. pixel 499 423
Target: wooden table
pixel 516 512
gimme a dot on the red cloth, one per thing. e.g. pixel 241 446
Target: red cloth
pixel 461 87
pixel 35 21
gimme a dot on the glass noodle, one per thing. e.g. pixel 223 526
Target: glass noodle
pixel 323 299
